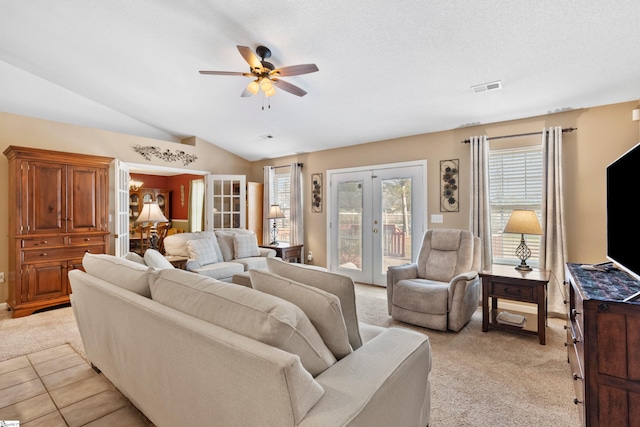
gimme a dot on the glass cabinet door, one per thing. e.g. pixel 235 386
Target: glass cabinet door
pixel 227 201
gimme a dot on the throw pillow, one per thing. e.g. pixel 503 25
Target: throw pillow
pixel 245 311
pixel 225 242
pixel 155 259
pixel 202 250
pixel 132 256
pixel 322 308
pixel 245 246
pixel 119 271
pixel 339 285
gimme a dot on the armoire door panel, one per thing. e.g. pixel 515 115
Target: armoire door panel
pixel 46 280
pixel 84 191
pixel 46 198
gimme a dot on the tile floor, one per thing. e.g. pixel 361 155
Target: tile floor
pixel 57 387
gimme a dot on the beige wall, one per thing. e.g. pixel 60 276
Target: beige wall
pixel 603 134
pixel 28 132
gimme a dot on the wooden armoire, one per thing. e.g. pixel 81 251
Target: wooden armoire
pixel 58 211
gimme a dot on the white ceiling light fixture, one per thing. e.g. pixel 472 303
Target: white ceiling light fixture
pixel 487 86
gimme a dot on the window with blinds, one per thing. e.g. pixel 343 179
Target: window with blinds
pixel 282 197
pixel 515 182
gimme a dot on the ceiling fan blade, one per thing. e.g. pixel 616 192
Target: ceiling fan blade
pixel 295 70
pixel 227 73
pixel 289 87
pixel 250 57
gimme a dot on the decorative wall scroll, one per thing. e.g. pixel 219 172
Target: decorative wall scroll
pixel 166 155
pixel 449 186
pixel 316 192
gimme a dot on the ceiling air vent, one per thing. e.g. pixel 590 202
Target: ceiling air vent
pixel 487 86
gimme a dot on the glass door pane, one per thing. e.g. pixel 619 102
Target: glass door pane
pixel 350 225
pixel 396 222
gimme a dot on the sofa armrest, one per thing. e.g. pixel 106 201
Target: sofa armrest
pixel 267 252
pixel 397 273
pixel 192 264
pixel 384 383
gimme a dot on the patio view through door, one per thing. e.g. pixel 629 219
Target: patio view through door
pixel 376 219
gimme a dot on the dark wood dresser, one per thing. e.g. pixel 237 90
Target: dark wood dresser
pixel 603 342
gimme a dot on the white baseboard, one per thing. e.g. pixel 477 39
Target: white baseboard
pixel 4 306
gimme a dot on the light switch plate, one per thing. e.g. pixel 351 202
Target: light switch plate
pixel 437 219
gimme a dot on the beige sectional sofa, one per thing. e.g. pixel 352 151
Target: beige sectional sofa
pixel 220 254
pixel 190 350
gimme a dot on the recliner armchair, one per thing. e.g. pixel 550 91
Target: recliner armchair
pixel 442 289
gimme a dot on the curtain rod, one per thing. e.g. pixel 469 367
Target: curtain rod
pixel 284 166
pixel 467 141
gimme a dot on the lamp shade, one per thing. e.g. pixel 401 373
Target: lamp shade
pixel 523 221
pixel 151 213
pixel 275 212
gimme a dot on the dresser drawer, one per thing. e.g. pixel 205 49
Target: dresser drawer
pixel 42 242
pixel 59 254
pixel 86 240
pixel 517 292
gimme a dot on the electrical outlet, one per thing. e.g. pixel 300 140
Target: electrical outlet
pixel 2 277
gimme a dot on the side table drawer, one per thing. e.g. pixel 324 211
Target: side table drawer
pixel 520 292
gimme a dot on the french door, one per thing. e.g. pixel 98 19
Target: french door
pixel 376 219
pixel 121 224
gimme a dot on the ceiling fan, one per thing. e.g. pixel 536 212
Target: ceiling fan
pixel 265 75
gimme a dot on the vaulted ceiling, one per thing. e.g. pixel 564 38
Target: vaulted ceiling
pixel 387 68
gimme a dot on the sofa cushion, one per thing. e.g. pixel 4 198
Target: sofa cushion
pixel 252 263
pixel 155 259
pixel 176 244
pixel 322 308
pixel 340 285
pixel 257 315
pixel 245 246
pixel 121 272
pixel 132 256
pixel 218 270
pixel 225 242
pixel 202 250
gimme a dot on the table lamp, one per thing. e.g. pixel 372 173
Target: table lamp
pixel 151 212
pixel 274 213
pixel 523 222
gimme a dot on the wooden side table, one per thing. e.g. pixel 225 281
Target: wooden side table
pixel 177 261
pixel 505 282
pixel 287 252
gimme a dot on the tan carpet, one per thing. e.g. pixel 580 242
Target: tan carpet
pixel 478 379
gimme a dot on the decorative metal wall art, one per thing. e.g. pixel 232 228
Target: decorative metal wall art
pixel 165 155
pixel 316 192
pixel 449 186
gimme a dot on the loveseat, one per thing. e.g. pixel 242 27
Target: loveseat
pixel 220 254
pixel 190 350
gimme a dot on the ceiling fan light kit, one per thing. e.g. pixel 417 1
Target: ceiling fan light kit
pixel 265 74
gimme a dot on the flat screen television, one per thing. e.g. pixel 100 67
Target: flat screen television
pixel 623 216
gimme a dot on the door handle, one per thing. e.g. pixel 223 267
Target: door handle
pixel 375 230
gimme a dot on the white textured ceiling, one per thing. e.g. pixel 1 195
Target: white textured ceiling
pixel 387 68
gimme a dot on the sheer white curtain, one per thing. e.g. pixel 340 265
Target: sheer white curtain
pixel 296 214
pixel 196 205
pixel 480 221
pixel 266 203
pixel 553 251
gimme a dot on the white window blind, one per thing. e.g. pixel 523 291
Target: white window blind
pixel 515 182
pixel 282 197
